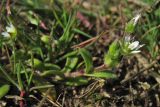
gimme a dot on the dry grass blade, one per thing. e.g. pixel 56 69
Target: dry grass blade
pixel 89 42
pixel 45 98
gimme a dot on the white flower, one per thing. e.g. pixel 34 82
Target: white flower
pixel 11 28
pixel 6 34
pixel 130 47
pixel 10 31
pixel 134 46
pixel 135 19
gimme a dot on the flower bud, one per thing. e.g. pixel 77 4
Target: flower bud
pixel 37 64
pixel 130 26
pixel 46 39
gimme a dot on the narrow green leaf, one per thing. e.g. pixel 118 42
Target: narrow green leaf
pixel 102 75
pixel 51 69
pixel 57 18
pixel 66 37
pixel 49 73
pixel 8 77
pixel 82 33
pixel 50 66
pixel 71 62
pixel 18 66
pixel 87 59
pixel 76 81
pixel 67 55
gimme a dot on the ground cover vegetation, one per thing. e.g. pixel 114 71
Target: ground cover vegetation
pixel 79 53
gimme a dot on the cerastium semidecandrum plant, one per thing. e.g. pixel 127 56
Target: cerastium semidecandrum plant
pixel 125 46
pixel 78 66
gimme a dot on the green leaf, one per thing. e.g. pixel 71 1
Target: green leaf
pixel 49 73
pixel 76 81
pixel 8 77
pixel 102 75
pixel 67 36
pixel 32 19
pixel 87 57
pixel 82 33
pixel 109 61
pixel 112 57
pixel 67 55
pixel 4 90
pixel 18 69
pixel 113 49
pixel 50 66
pixel 51 69
pixel 71 62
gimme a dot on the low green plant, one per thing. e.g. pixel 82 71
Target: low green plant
pixel 36 56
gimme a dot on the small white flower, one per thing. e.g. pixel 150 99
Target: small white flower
pixel 135 19
pixel 133 45
pixel 130 46
pixel 11 28
pixel 6 34
pixel 10 31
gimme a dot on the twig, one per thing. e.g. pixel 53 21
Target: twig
pixel 57 104
pixel 44 98
pixel 90 90
pixel 141 71
pixel 50 86
pixel 40 87
pixel 101 67
pixel 63 99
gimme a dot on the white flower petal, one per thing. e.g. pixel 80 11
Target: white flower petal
pixel 140 46
pixel 133 45
pixel 134 52
pixel 8 29
pixel 5 34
